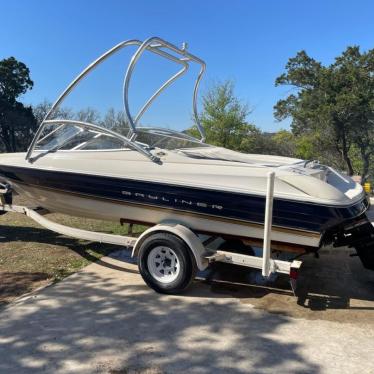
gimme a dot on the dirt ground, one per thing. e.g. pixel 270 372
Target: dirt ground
pixel 334 287
pixel 31 256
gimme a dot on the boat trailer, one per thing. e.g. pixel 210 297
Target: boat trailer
pixel 165 234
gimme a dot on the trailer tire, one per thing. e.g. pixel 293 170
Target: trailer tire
pixel 166 264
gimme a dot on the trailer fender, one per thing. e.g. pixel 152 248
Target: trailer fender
pixel 183 232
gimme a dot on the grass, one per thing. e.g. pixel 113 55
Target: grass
pixel 31 256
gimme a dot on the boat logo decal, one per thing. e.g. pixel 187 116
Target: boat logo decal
pixel 186 202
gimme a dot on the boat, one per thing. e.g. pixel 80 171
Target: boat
pixel 150 175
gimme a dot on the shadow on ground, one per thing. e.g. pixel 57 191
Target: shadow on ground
pixel 94 323
pixel 27 234
pixel 13 284
pixel 334 287
pixel 336 281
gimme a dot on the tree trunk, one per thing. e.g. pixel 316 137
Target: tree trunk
pixel 6 139
pixel 13 139
pixel 8 148
pixel 365 166
pixel 348 162
pixel 345 156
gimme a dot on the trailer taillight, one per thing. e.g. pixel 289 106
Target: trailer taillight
pixel 294 273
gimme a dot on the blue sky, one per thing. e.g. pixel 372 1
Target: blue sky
pixel 248 42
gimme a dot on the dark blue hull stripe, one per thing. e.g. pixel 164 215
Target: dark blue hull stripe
pixel 224 204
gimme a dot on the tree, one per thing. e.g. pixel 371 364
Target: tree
pixel 332 105
pixel 41 110
pixel 224 119
pixel 89 115
pixel 355 76
pixel 17 126
pixel 14 79
pixel 284 144
pixel 116 120
pixel 17 122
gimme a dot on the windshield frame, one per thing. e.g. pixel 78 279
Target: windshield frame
pixel 91 126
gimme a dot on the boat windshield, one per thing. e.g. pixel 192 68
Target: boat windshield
pixel 77 136
pixel 167 139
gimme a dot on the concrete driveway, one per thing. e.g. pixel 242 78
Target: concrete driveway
pixel 105 320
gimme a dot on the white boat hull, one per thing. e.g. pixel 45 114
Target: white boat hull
pixel 76 205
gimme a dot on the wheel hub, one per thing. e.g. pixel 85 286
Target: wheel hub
pixel 163 264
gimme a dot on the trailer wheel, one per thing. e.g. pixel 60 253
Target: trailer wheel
pixel 166 264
